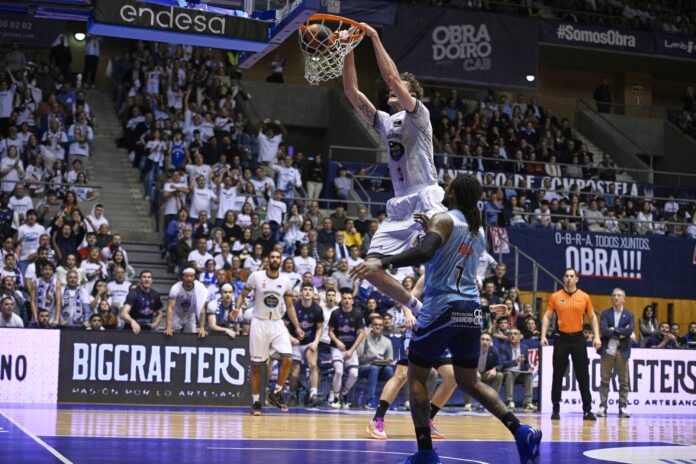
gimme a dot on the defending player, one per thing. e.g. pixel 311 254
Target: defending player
pixel 268 330
pixel 452 317
pixel 409 138
pixel 391 389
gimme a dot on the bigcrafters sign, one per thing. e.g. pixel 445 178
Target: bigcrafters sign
pixel 121 367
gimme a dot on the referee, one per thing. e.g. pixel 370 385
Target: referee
pixel 570 304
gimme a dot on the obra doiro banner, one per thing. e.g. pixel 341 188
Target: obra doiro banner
pixel 649 265
pixel 28 365
pixel 152 369
pixel 458 45
pixel 660 382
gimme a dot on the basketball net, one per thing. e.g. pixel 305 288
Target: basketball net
pixel 324 57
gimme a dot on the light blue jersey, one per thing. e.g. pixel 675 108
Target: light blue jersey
pixel 450 276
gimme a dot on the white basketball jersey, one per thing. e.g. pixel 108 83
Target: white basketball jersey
pixel 409 139
pixel 269 294
pixel 185 300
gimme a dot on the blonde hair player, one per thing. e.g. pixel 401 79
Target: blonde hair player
pixel 409 139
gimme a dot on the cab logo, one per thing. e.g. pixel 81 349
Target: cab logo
pixel 466 42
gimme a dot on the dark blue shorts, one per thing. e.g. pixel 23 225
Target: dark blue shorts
pixel 457 330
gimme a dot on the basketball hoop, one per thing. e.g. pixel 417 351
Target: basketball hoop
pixel 325 40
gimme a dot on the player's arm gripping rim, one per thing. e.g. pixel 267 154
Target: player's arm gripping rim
pixel 389 72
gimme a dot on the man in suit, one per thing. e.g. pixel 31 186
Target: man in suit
pixel 488 367
pixel 516 368
pixel 616 326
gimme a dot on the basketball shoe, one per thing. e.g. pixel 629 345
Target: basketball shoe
pixel 435 434
pixel 423 457
pixel 276 399
pixel 375 429
pixel 528 439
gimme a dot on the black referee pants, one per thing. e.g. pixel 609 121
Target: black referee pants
pixel 574 346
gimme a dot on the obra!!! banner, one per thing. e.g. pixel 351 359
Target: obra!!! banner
pixel 461 46
pixel 152 369
pixel 646 265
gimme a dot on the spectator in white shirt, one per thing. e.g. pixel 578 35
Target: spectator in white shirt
pixel 288 179
pixel 198 168
pixel 542 215
pixel 55 138
pixel 11 169
pixel 644 219
pixel 304 262
pixel 79 149
pixel 198 257
pixel 28 237
pixel 174 191
pixel 343 184
pixel 269 141
pixel 275 213
pixel 202 198
pixel 7 316
pixel 20 202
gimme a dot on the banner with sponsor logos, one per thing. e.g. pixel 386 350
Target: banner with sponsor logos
pixel 28 31
pixel 463 46
pixel 166 21
pixel 588 36
pixel 660 382
pixel 150 368
pixel 676 45
pixel 564 184
pixel 646 265
pixel 29 365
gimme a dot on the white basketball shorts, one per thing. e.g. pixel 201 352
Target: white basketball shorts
pixel 399 231
pixel 265 335
pixel 340 356
pixel 186 322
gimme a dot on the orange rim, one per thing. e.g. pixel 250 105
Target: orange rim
pixel 330 17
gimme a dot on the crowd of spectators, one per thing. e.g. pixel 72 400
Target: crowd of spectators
pixel 672 16
pixel 61 263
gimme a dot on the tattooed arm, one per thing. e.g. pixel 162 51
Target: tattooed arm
pixel 354 95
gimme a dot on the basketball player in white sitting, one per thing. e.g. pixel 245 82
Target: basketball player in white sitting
pixel 186 301
pixel 267 329
pixel 409 138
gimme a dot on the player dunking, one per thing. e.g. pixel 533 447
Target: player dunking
pixel 409 138
pixel 451 317
pixel 267 329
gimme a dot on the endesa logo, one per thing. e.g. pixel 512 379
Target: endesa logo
pixel 175 19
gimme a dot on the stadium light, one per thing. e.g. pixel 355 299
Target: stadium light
pixel 80 36
pixel 530 77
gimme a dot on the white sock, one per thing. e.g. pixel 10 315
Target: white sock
pixel 278 388
pixel 254 398
pixel 312 392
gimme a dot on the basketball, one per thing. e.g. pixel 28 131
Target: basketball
pixel 316 39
